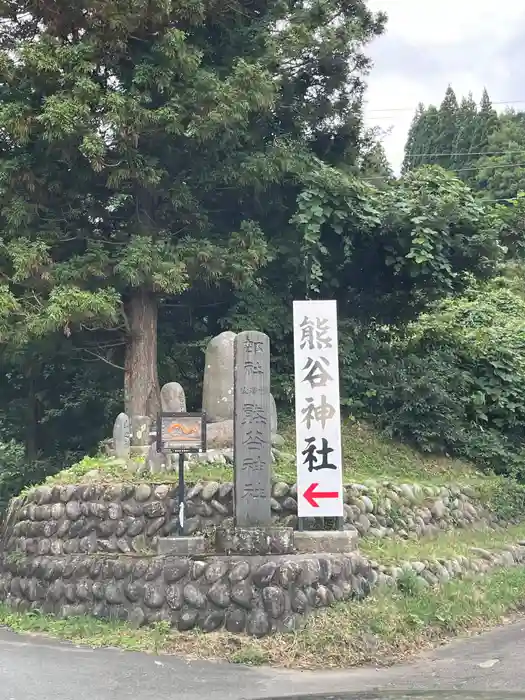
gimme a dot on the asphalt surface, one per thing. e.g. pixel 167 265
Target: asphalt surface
pixel 33 668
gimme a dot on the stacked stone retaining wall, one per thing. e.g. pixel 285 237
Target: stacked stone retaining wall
pixel 255 595
pixel 124 518
pixel 436 572
pixel 89 549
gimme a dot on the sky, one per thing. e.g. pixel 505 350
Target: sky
pixel 429 44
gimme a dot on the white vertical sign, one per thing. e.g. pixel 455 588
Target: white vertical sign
pixel 317 410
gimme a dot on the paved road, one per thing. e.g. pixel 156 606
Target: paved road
pixel 34 668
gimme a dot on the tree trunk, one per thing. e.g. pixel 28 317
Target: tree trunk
pixel 141 380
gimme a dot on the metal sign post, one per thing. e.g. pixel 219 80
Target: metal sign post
pixel 317 411
pixel 181 433
pixel 181 493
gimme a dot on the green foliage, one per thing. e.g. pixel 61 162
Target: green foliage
pixel 452 136
pixel 153 150
pixel 483 148
pixel 409 583
pixel 510 218
pixel 211 164
pixel 387 254
pixel 448 236
pixel 447 128
pixel 121 178
pixel 374 166
pixel 501 173
pixel 128 99
pixel 332 207
pixel 55 402
pixel 485 334
pixel 453 382
pixel 463 137
pixel 420 146
pixel 16 472
pixel 505 498
pixel 267 309
pixel 412 397
pixel 107 468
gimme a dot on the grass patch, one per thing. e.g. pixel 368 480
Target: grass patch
pixel 109 470
pixel 390 626
pixel 382 629
pixel 368 457
pixel 446 545
pixel 88 631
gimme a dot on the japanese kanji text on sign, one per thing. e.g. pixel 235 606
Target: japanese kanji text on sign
pixel 318 421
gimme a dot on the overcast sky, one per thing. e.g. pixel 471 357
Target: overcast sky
pixel 431 43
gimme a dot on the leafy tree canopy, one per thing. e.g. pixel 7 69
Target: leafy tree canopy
pixel 455 136
pixel 141 147
pixel 386 254
pixel 501 172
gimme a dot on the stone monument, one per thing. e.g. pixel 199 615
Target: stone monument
pixel 122 436
pixel 273 416
pixel 173 398
pixel 217 392
pixel 217 401
pixel 140 442
pixel 252 430
pixel 253 533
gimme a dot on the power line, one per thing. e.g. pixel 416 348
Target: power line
pixel 466 153
pixel 413 109
pixel 457 170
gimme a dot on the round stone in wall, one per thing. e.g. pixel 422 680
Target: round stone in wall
pixel 114 511
pixel 213 621
pixel 114 593
pixel 274 601
pixel 215 571
pixel 243 594
pixel 134 590
pixel 197 569
pixel 73 511
pixel 136 617
pixel 154 595
pixel 219 594
pixel 175 569
pixel 264 574
pixel 174 596
pixel 142 492
pixel 187 620
pixel 258 624
pixel 235 621
pixel 194 596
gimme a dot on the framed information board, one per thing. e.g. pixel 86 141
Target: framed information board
pixel 181 432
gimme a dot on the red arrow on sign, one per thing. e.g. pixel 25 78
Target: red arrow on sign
pixel 312 495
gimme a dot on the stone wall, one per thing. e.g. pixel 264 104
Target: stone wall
pixel 252 595
pixel 437 572
pixel 256 595
pixel 124 518
pixel 89 549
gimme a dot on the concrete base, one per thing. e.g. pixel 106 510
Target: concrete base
pixel 254 540
pixel 327 541
pixel 182 546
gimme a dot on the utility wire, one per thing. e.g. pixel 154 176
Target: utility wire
pixel 460 170
pixel 466 153
pixel 413 109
